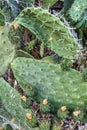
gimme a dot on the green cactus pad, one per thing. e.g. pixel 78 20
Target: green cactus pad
pixel 50 82
pixel 77 9
pixel 7 50
pixel 49 29
pixel 11 100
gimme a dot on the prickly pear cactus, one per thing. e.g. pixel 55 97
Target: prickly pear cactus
pixel 7 50
pixel 12 102
pixel 50 82
pixel 10 98
pixel 82 21
pixel 77 9
pixel 49 30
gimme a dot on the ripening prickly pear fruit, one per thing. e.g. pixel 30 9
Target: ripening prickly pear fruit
pixel 78 115
pixel 62 112
pixel 25 102
pixel 44 106
pixel 31 120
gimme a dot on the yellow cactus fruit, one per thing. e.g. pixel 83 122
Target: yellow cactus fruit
pixel 76 113
pixel 63 108
pixel 29 116
pixel 45 102
pixel 23 98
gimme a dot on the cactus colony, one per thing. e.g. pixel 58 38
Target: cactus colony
pixel 51 84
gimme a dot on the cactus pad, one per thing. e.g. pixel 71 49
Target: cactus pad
pixel 49 29
pixel 11 100
pixel 7 50
pixel 77 9
pixel 50 82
